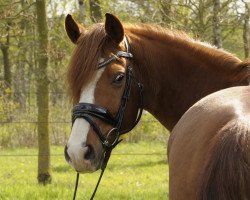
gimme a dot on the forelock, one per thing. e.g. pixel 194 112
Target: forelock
pixel 84 60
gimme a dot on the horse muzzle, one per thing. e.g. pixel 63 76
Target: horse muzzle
pixel 83 159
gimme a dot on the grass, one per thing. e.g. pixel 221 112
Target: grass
pixel 135 171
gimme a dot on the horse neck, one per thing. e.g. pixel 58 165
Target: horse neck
pixel 178 72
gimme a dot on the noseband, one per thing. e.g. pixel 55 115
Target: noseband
pixel 89 112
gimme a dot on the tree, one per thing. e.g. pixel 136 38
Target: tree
pixel 44 169
pixel 165 10
pixel 216 24
pixel 246 30
pixel 5 51
pixel 20 83
pixel 95 10
pixel 82 10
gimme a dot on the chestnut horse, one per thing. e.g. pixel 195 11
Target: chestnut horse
pixel 109 64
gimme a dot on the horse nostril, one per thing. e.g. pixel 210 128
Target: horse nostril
pixel 66 155
pixel 90 154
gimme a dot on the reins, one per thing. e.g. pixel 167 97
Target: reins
pixel 90 111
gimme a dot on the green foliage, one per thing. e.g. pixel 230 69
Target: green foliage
pixel 148 129
pixel 233 43
pixel 22 129
pixel 7 105
pixel 7 108
pixel 135 171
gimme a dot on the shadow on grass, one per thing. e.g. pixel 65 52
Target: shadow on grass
pixel 146 163
pixel 114 166
pixel 61 168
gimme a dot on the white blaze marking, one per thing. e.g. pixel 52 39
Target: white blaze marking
pixel 80 129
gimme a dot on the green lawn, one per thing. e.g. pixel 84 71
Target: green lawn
pixel 135 171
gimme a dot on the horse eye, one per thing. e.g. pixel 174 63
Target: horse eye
pixel 118 79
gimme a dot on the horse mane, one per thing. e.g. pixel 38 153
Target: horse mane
pixel 85 59
pixel 153 32
pixel 224 61
pixel 227 171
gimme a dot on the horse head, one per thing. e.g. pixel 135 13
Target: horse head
pixel 104 91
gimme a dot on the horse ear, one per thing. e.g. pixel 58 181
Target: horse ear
pixel 72 28
pixel 114 28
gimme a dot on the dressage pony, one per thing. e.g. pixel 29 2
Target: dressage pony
pixel 117 70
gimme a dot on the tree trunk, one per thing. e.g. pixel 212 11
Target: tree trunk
pixel 82 11
pixel 6 61
pixel 44 169
pixel 246 31
pixel 201 19
pixel 165 9
pixel 216 24
pixel 95 10
pixel 20 83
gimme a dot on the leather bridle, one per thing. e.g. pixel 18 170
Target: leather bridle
pixel 89 111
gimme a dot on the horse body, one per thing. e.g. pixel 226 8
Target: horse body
pixel 209 148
